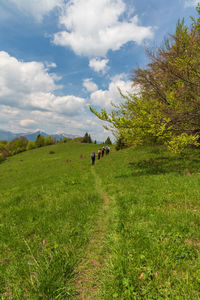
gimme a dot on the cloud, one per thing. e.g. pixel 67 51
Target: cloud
pixel 37 8
pixel 28 85
pixel 190 3
pixel 103 98
pixel 98 65
pixel 90 85
pixel 50 65
pixel 28 101
pixel 104 25
pixel 27 122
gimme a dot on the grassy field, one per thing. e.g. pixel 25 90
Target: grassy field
pixel 126 228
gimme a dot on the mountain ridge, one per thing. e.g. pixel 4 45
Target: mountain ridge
pixel 31 136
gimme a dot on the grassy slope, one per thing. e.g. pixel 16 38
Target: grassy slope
pixel 48 207
pixel 154 235
pixel 153 231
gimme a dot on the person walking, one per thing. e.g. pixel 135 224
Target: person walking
pixel 99 153
pixel 102 151
pixel 93 155
pixel 107 151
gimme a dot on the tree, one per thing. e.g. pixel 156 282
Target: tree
pixel 30 145
pixel 49 141
pixel 87 138
pixel 17 145
pixel 39 141
pixel 108 141
pixel 166 109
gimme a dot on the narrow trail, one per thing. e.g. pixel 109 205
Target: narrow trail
pixel 90 271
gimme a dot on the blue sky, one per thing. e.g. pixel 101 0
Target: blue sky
pixel 59 56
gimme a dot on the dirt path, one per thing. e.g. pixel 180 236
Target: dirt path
pixel 91 269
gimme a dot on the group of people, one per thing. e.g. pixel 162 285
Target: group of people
pixel 100 153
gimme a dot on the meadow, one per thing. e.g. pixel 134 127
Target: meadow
pixel 126 228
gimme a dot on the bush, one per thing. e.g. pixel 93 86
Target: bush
pixel 49 141
pixel 5 154
pixel 39 141
pixel 30 145
pixel 120 144
pixel 1 157
pixel 65 140
pixel 17 145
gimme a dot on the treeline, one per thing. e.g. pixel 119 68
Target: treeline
pixel 21 144
pixel 166 108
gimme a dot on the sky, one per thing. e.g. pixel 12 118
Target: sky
pixel 57 57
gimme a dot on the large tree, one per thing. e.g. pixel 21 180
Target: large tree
pixel 167 108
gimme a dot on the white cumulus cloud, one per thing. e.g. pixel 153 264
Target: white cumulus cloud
pixel 93 27
pixel 103 98
pixel 37 8
pixel 28 85
pixel 98 65
pixel 190 3
pixel 90 85
pixel 26 122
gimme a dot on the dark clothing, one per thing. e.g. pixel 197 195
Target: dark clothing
pixel 102 151
pixel 93 158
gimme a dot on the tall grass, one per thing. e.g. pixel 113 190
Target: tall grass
pixel 50 205
pixel 48 210
pixel 154 236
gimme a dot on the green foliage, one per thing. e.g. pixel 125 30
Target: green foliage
pixel 17 145
pixel 108 141
pixel 30 145
pixel 78 140
pixel 87 138
pixel 39 141
pixel 166 107
pixel 65 140
pixel 1 157
pixel 49 141
pixel 120 144
pixel 2 146
pixel 178 144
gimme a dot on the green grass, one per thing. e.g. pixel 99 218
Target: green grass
pixel 49 211
pixel 48 207
pixel 154 236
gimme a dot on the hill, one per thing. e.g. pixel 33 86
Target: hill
pixel 126 228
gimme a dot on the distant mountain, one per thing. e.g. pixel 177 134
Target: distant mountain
pixel 31 136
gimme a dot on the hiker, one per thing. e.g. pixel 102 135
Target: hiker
pixel 107 151
pixel 102 151
pixel 93 157
pixel 99 153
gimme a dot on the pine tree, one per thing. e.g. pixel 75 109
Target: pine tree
pixel 108 141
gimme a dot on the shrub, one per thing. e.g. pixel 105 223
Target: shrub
pixel 51 152
pixel 17 145
pixel 39 141
pixel 30 145
pixel 49 141
pixel 65 140
pixel 1 157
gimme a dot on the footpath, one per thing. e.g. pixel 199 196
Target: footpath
pixel 90 271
